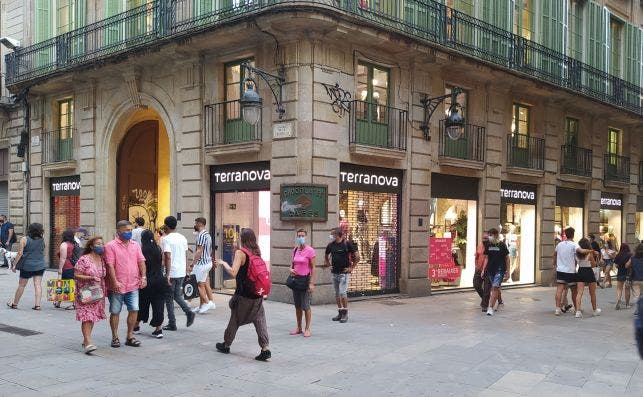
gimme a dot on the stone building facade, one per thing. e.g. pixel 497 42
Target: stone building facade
pixel 145 117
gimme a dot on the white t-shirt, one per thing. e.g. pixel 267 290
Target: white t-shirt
pixel 566 256
pixel 177 245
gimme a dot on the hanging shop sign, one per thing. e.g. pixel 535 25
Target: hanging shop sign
pixel 441 264
pixel 65 186
pixel 240 177
pixel 570 198
pixel 369 179
pixel 611 201
pixel 518 193
pixel 304 202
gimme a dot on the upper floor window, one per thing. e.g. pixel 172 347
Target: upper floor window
pixel 614 141
pixel 524 18
pixel 461 99
pixel 234 76
pixel 465 6
pixel 54 17
pixel 65 117
pixel 372 88
pixel 575 30
pixel 571 131
pixel 616 47
pixel 520 125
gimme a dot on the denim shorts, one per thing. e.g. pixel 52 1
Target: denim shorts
pixel 340 283
pixel 116 301
pixel 496 279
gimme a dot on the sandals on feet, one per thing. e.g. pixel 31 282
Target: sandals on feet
pixel 12 305
pixel 35 308
pixel 116 342
pixel 133 342
pixel 71 307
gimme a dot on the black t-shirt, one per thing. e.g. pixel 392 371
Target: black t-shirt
pixel 340 255
pixel 496 254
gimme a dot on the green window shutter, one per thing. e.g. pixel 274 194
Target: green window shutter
pixel 43 31
pixel 114 31
pixel 552 28
pixel 576 19
pixel 496 12
pixel 80 19
pixel 632 63
pixel 596 37
pixel 202 7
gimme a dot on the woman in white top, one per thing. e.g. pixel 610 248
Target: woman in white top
pixel 608 254
pixel 585 275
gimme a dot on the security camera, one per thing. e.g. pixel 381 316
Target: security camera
pixel 10 43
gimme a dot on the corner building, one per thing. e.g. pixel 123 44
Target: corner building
pixel 135 106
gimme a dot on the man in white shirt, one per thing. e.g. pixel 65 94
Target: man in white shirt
pixel 202 264
pixel 138 230
pixel 175 253
pixel 565 265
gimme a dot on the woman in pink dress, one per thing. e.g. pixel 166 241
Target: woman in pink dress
pixel 90 270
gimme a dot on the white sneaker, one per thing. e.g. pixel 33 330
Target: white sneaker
pixel 597 312
pixel 558 312
pixel 204 308
pixel 579 314
pixel 212 305
pixel 490 311
pixel 195 309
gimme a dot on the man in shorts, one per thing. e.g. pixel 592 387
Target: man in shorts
pixel 125 266
pixel 344 257
pixel 565 265
pixel 202 264
pixel 495 266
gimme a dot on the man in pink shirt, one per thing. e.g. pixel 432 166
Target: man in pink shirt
pixel 125 265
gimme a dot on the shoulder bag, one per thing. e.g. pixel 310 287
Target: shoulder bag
pixel 295 282
pixel 91 293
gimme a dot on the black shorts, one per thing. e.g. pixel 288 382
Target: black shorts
pixel 28 274
pixel 566 278
pixel 585 275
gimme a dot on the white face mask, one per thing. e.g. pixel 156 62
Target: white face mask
pixel 493 239
pixel 331 237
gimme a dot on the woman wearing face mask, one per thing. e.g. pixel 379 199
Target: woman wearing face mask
pixel 90 271
pixel 156 290
pixel 303 266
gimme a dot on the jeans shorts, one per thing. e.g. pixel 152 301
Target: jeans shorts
pixel 340 283
pixel 116 301
pixel 496 279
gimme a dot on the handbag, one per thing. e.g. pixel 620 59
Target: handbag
pixel 297 283
pixel 61 290
pixel 190 290
pixel 90 294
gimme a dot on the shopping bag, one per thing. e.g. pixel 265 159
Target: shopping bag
pixel 61 290
pixel 190 290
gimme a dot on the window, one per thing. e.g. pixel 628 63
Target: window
pixel 520 126
pixel 575 30
pixel 461 99
pixel 234 76
pixel 616 47
pixel 371 108
pixel 465 6
pixel 524 18
pixel 62 140
pixel 65 115
pixel 235 129
pixel 55 17
pixel 372 84
pixel 571 131
pixel 614 143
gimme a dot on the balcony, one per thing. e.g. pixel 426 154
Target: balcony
pixel 58 148
pixel 467 151
pixel 575 160
pixel 617 169
pixel 525 152
pixel 378 130
pixel 162 21
pixel 227 133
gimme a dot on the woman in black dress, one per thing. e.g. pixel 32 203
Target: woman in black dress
pixel 154 293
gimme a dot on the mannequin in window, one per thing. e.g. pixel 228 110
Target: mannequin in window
pixel 512 245
pixel 344 224
pixel 361 230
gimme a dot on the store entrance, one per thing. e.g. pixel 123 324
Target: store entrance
pixel 611 218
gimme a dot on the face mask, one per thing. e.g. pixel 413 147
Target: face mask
pixel 196 229
pixel 331 238
pixel 99 249
pixel 301 240
pixel 493 239
pixel 126 236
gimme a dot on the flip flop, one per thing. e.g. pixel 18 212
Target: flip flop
pixel 72 307
pixel 116 342
pixel 132 342
pixel 35 308
pixel 12 305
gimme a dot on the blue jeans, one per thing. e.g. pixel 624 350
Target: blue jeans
pixel 496 279
pixel 175 295
pixel 116 301
pixel 340 283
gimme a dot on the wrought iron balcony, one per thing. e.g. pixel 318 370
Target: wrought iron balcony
pixel 376 125
pixel 224 125
pixel 575 160
pixel 58 146
pixel 472 145
pixel 161 21
pixel 525 151
pixel 617 168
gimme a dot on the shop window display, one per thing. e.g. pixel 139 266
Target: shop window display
pixel 455 219
pixel 611 226
pixel 370 221
pixel 568 217
pixel 518 231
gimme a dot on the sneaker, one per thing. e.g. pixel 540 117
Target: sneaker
pixel 618 306
pixel 169 328
pixel 158 334
pixel 191 317
pixel 558 311
pixel 490 311
pixel 597 312
pixel 264 355
pixel 211 305
pixel 204 308
pixel 579 314
pixel 221 347
pixel 137 330
pixel 483 309
pixel 195 309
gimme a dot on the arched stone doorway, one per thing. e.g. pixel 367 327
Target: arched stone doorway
pixel 143 172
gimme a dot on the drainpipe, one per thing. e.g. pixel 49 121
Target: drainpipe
pixel 25 161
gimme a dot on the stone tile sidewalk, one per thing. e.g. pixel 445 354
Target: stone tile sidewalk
pixel 435 346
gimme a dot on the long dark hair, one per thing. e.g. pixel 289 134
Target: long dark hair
pixel 584 244
pixel 151 251
pixel 624 254
pixel 638 253
pixel 35 231
pixel 68 236
pixel 249 241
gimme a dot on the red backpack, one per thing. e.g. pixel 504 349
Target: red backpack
pixel 259 281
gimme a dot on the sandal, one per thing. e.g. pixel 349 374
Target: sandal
pixel 57 305
pixel 116 342
pixel 12 305
pixel 71 307
pixel 35 308
pixel 133 342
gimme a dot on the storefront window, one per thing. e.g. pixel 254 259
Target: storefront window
pixel 611 213
pixel 638 232
pixel 518 229
pixel 65 211
pixel 569 213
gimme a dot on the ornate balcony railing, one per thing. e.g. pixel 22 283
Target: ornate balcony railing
pixel 472 145
pixel 617 168
pixel 378 125
pixel 160 21
pixel 575 160
pixel 58 145
pixel 224 125
pixel 525 151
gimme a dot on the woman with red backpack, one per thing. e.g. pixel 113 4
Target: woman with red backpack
pixel 253 285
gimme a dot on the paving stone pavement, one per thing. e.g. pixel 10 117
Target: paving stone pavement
pixel 441 345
